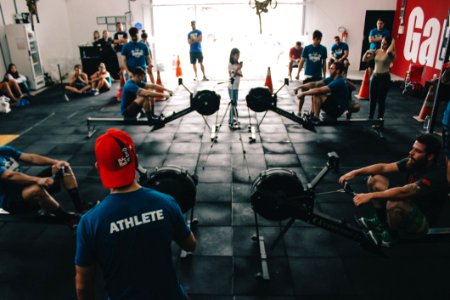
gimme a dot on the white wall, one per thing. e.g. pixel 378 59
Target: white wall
pixel 328 15
pixel 66 24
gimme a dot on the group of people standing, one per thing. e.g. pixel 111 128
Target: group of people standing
pixel 379 58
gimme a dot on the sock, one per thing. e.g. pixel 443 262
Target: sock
pixel 381 214
pixel 75 196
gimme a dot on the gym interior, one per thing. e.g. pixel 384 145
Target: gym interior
pixel 314 249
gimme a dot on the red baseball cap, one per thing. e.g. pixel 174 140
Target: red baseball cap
pixel 116 158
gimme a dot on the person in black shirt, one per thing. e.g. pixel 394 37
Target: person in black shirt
pixel 407 210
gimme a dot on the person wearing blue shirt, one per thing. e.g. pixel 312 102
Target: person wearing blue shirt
pixel 376 35
pixel 129 234
pixel 314 56
pixel 330 94
pixel 138 95
pixel 136 54
pixel 339 53
pixel 21 193
pixel 195 51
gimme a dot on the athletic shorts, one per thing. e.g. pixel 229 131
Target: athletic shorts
pixel 446 140
pixel 132 111
pixel 415 222
pixel 14 202
pixel 196 56
pixel 331 108
pixel 79 85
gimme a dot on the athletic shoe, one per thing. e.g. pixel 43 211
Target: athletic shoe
pixel 368 223
pixel 96 92
pixel 205 79
pixel 382 238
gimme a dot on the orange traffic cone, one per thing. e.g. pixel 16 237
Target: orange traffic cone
pixel 268 82
pixel 159 90
pixel 364 90
pixel 178 71
pixel 119 94
pixel 427 106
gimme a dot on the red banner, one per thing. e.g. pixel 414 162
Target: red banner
pixel 419 39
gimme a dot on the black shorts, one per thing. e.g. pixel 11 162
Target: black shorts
pixel 330 106
pixel 132 111
pixel 14 202
pixel 196 56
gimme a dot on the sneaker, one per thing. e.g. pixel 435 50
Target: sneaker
pixel 195 79
pixel 368 223
pixel 205 79
pixel 96 92
pixel 382 238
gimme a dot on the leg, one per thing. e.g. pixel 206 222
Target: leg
pixel 301 101
pixel 150 74
pixel 15 88
pixel 373 96
pixel 72 89
pixel 9 93
pixel 384 88
pixel 378 183
pixel 231 114
pixel 202 67
pixel 71 185
pixel 291 63
pixel 405 217
pixel 85 88
pixel 37 194
pixel 195 69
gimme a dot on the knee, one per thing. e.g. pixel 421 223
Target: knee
pixel 377 183
pixel 33 192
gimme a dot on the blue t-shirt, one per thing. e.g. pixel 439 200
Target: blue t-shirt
pixel 378 34
pixel 136 54
pixel 129 93
pixel 8 161
pixel 314 59
pixel 338 50
pixel 129 236
pixel 446 118
pixel 197 46
pixel 339 92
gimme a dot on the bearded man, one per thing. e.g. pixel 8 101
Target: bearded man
pixel 406 210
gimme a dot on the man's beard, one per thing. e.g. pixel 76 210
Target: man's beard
pixel 416 164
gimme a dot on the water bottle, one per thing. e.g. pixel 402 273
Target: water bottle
pixel 426 123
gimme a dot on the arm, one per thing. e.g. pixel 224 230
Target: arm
pixel 300 66
pixel 84 78
pixel 157 86
pixel 25 179
pixel 324 68
pixel 95 77
pixel 392 194
pixel 382 168
pixel 369 55
pixel 36 159
pixel 189 243
pixel 344 56
pixel 85 282
pixel 124 63
pixel 310 85
pixel 315 91
pixel 391 50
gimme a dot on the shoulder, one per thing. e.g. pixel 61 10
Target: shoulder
pixel 11 151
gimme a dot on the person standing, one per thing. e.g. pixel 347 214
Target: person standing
pixel 129 233
pixel 195 51
pixel 235 74
pixel 314 56
pixel 120 39
pixel 144 40
pixel 381 78
pixel 295 54
pixel 136 54
pixel 376 35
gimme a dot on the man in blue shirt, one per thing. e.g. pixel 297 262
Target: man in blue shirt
pixel 339 53
pixel 21 193
pixel 330 94
pixel 376 35
pixel 195 52
pixel 138 95
pixel 129 233
pixel 136 54
pixel 314 56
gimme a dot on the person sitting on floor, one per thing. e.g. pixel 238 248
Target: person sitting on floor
pixel 330 94
pixel 12 75
pixel 5 89
pixel 21 193
pixel 78 82
pixel 408 210
pixel 138 95
pixel 101 80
